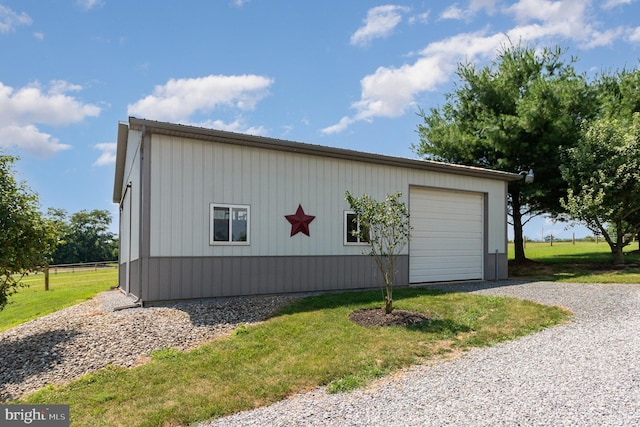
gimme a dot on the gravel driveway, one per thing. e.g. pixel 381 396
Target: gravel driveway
pixel 585 373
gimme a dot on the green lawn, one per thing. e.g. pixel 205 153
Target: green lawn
pixel 66 288
pixel 308 344
pixel 582 262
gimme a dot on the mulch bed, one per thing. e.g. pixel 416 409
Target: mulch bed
pixel 370 317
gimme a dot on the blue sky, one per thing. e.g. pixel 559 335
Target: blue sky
pixel 348 74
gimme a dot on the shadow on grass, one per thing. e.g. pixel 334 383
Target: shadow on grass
pixel 472 286
pixel 375 298
pixel 573 267
pixel 595 258
pixel 353 299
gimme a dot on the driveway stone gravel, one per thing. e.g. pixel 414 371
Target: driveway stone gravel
pixel 62 346
pixel 584 373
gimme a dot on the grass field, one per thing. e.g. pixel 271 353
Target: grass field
pixel 66 288
pixel 582 262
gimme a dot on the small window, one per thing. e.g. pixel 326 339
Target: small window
pixel 351 226
pixel 229 225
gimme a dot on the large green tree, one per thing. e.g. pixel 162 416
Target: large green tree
pixel 600 170
pixel 85 237
pixel 618 93
pixel 516 114
pixel 603 172
pixel 27 237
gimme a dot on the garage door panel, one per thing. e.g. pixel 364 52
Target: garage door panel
pixel 455 255
pixel 446 247
pixel 447 236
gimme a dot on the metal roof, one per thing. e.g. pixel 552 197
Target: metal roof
pixel 193 132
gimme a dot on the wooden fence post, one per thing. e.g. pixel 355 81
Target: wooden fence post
pixel 46 277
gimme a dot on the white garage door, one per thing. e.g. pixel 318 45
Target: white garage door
pixel 447 236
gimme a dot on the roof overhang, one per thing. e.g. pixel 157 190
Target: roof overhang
pixel 121 154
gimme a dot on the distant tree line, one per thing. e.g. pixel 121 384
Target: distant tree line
pixel 83 237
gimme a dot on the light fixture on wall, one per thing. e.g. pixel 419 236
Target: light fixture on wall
pixel 528 176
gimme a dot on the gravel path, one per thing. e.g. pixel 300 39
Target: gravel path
pixel 585 373
pixel 67 344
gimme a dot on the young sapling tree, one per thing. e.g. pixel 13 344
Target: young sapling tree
pixel 385 226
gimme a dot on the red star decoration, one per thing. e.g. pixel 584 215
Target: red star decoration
pixel 300 222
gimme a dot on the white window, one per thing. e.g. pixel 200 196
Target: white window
pixel 229 224
pixel 351 225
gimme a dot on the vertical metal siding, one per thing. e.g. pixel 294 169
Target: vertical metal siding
pixel 189 174
pixel 132 175
pixel 171 278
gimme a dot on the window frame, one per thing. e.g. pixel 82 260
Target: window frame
pixel 230 242
pixel 345 231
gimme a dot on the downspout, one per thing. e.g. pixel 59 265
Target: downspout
pixel 129 251
pixel 139 300
pixel 127 189
pixel 136 303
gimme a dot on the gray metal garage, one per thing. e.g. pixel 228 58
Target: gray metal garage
pixel 207 213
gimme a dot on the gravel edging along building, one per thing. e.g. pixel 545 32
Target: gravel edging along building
pixel 208 213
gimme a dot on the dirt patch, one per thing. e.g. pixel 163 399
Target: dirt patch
pixel 370 317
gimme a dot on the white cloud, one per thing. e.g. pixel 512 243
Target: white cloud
pixel 454 12
pixel 29 138
pixel 488 5
pixel 178 99
pixel 457 13
pixel 544 18
pixel 379 23
pixel 237 125
pixel 89 4
pixel 634 35
pixel 9 19
pixel 610 4
pixel 30 104
pixel 421 17
pixel 239 3
pixel 22 109
pixel 58 87
pixel 604 38
pixel 391 91
pixel 343 124
pixel 466 46
pixel 570 19
pixel 108 156
pixel 38 35
pixel 545 10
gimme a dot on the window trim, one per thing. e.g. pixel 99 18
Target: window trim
pixel 345 231
pixel 231 208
